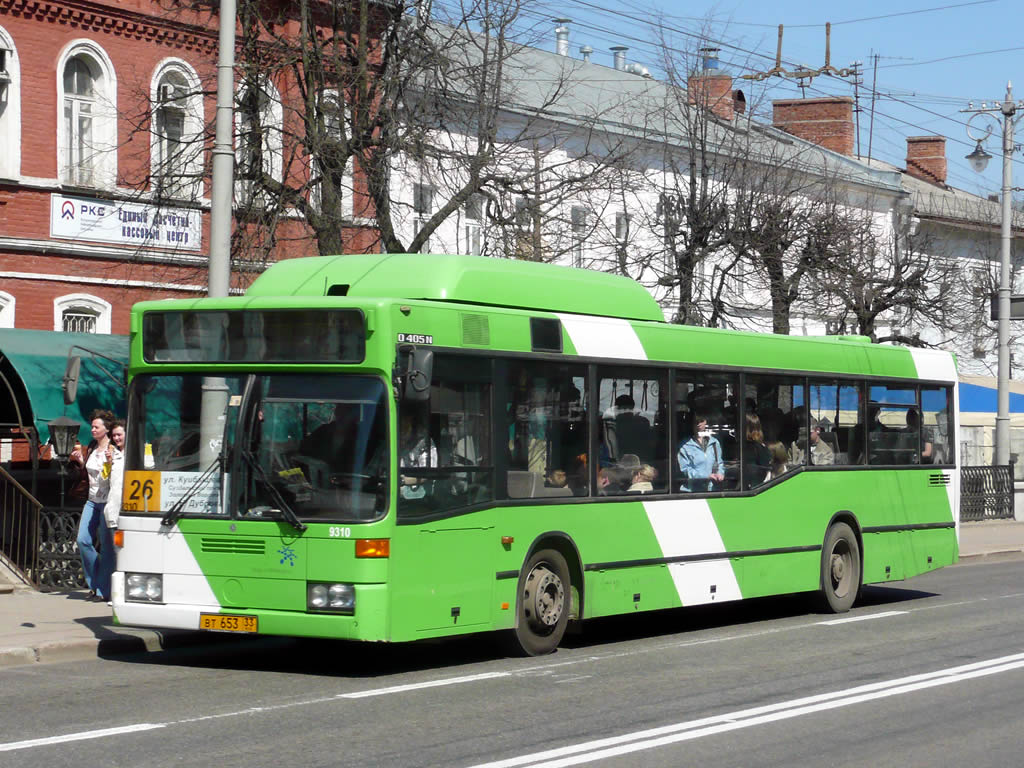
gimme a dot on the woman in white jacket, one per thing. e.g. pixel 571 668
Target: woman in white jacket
pixel 112 509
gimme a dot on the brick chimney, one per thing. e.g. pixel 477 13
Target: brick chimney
pixel 926 158
pixel 711 88
pixel 827 121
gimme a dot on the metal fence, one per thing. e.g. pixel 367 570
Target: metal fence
pixel 19 527
pixel 986 493
pixel 36 542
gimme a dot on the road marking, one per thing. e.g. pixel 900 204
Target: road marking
pixel 616 746
pixel 81 736
pixel 851 619
pixel 419 686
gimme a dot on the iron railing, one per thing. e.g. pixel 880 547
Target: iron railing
pixel 986 493
pixel 39 543
pixel 19 527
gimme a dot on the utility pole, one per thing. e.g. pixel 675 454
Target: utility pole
pixel 214 398
pixel 874 95
pixel 855 66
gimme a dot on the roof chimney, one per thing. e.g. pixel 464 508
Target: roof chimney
pixel 585 51
pixel 926 158
pixel 710 88
pixel 620 56
pixel 562 37
pixel 827 122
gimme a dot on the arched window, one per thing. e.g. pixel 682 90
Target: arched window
pixel 10 108
pixel 87 124
pixel 177 145
pixel 81 313
pixel 7 303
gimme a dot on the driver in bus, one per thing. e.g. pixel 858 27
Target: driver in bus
pixel 415 449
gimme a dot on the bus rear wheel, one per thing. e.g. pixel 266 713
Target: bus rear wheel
pixel 542 603
pixel 840 568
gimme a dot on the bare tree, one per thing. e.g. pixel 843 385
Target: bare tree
pixel 890 286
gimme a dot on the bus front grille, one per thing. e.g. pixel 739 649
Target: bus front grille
pixel 226 546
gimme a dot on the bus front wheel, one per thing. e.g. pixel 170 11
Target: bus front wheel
pixel 542 603
pixel 840 568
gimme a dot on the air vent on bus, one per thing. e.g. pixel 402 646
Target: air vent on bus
pixel 476 330
pixel 222 546
pixel 939 478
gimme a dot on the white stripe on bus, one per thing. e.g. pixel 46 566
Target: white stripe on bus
pixel 603 337
pixel 687 527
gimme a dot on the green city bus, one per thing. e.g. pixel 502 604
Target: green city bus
pixel 405 446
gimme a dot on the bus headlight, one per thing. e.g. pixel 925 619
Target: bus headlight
pixel 336 598
pixel 144 587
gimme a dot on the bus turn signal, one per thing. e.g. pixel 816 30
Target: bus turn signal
pixel 373 547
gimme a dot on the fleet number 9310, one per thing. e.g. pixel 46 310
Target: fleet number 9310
pixel 339 532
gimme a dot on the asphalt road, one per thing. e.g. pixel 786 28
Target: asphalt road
pixel 928 673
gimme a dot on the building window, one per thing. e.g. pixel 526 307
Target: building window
pixel 473 227
pixel 177 131
pixel 259 142
pixel 7 303
pixel 423 208
pixel 578 216
pixel 79 321
pixel 332 144
pixel 524 215
pixel 87 124
pixel 81 313
pixel 622 220
pixel 79 105
pixel 10 109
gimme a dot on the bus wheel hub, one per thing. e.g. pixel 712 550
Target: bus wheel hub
pixel 545 596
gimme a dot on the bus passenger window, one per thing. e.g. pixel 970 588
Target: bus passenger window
pixel 707 456
pixel 444 446
pixel 546 427
pixel 634 431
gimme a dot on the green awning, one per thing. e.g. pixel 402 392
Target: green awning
pixel 32 367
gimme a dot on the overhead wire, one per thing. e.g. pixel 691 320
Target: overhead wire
pixel 652 53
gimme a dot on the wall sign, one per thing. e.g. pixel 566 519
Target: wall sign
pixel 125 223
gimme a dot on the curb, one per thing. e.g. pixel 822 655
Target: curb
pixel 122 643
pixel 995 554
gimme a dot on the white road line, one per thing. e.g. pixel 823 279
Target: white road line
pixel 542 668
pixel 614 746
pixel 867 617
pixel 419 686
pixel 81 736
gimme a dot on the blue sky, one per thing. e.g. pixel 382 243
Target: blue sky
pixel 934 56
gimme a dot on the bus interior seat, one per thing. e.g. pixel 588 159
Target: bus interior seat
pixel 530 485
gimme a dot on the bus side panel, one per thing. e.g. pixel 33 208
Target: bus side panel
pixel 442 577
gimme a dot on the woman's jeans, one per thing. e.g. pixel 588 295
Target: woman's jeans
pixel 98 566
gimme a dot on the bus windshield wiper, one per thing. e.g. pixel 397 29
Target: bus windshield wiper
pixel 177 510
pixel 283 506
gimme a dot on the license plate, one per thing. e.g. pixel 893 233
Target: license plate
pixel 223 622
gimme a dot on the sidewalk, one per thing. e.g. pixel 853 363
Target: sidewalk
pixel 40 627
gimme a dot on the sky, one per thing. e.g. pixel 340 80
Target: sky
pixel 933 57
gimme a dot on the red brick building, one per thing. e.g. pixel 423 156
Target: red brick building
pixel 106 111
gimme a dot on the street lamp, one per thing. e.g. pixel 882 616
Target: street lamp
pixel 979 160
pixel 63 436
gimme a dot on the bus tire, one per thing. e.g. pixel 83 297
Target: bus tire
pixel 543 603
pixel 840 568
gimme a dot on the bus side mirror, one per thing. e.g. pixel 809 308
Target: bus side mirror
pixel 70 382
pixel 418 375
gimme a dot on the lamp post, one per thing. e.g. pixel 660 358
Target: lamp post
pixel 979 160
pixel 63 434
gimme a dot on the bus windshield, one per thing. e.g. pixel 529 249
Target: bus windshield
pixel 309 446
